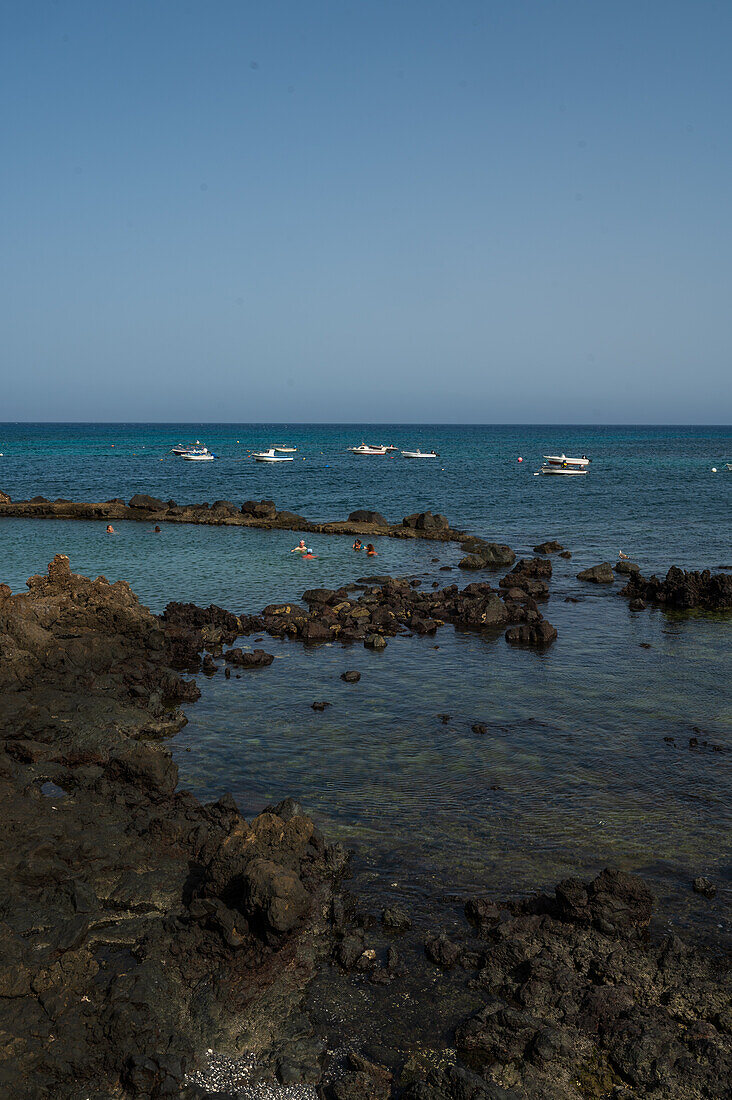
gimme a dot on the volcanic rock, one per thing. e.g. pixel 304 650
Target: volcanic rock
pixel 255 658
pixel 145 503
pixel 363 515
pixel 598 574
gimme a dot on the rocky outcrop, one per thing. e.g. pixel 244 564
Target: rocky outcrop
pixel 551 546
pixel 364 515
pixel 598 574
pixel 682 590
pixel 491 555
pixel 579 1003
pixel 426 521
pixel 137 924
pixel 377 608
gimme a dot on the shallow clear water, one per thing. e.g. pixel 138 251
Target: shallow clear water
pixel 574 771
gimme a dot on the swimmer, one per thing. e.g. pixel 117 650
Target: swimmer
pixel 301 548
pixel 370 551
pixel 110 529
pixel 358 545
pixel 308 555
pixel 157 530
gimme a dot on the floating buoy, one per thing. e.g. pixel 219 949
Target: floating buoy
pixel 714 469
pixel 520 458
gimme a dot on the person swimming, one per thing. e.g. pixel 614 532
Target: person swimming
pixel 371 551
pixel 301 548
pixel 308 554
pixel 110 529
pixel 358 545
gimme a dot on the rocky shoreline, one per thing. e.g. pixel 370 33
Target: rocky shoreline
pixel 142 928
pixel 138 926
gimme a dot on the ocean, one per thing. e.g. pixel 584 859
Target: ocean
pixel 613 747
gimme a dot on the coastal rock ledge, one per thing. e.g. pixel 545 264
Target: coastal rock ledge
pixel 137 926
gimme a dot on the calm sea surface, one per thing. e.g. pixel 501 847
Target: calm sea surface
pixel 587 758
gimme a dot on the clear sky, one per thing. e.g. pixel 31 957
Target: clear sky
pixel 509 210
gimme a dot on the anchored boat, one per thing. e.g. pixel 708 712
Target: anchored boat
pixel 560 464
pixel 271 456
pixel 420 454
pixel 203 455
pixel 369 449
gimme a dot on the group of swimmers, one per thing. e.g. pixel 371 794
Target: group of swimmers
pixel 307 553
pixel 370 549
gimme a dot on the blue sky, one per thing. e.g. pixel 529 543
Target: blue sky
pixel 387 211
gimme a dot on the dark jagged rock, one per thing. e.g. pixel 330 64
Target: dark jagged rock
pixel 580 1003
pixel 626 568
pixel 549 547
pixel 255 658
pixel 426 521
pixel 682 590
pixel 4 498
pixel 531 567
pixel 261 509
pixel 363 515
pixel 537 635
pixel 144 503
pixel 702 885
pixel 396 919
pixel 351 676
pixel 598 574
pixel 494 555
pixel 137 924
pixel 472 561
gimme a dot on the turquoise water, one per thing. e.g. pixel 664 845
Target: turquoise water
pixel 574 771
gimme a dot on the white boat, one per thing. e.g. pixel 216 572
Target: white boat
pixel 420 454
pixel 560 464
pixel 368 449
pixel 198 456
pixel 271 456
pixel 183 448
pixel 286 450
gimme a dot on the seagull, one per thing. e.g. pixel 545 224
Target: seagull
pixel 622 555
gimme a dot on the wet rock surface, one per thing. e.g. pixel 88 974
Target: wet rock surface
pixel 580 1002
pixel 386 606
pixel 137 925
pixel 598 574
pixel 683 591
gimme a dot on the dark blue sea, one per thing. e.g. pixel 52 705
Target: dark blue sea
pixel 587 760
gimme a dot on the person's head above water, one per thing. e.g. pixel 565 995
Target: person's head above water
pixel 110 529
pixel 370 549
pixel 357 544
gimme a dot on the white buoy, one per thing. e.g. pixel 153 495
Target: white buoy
pixel 714 469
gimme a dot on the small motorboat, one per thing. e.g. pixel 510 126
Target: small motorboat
pixel 202 455
pixel 181 449
pixel 286 450
pixel 420 454
pixel 560 464
pixel 271 456
pixel 728 465
pixel 368 449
